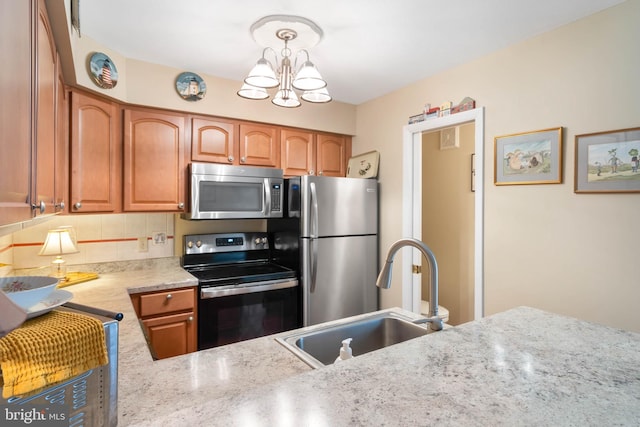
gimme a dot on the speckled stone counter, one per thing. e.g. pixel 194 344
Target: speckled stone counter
pixel 521 367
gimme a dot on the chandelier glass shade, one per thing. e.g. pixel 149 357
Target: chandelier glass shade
pixel 285 77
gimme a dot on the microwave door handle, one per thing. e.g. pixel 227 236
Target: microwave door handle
pixel 267 197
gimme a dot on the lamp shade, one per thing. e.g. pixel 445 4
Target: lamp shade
pixel 253 92
pixel 316 96
pixel 286 98
pixel 262 75
pixel 308 78
pixel 59 241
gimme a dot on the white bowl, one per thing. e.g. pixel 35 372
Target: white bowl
pixel 27 291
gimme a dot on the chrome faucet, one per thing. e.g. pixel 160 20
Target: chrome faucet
pixel 384 279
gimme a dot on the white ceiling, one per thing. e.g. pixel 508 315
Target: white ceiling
pixel 369 47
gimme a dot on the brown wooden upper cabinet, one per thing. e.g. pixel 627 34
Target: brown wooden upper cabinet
pixel 234 142
pixel 154 162
pixel 308 153
pixel 96 155
pixel 214 141
pixel 47 80
pixel 16 118
pixel 259 145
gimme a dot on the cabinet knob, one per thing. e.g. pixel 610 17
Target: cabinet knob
pixel 42 206
pixel 320 173
pixel 169 296
pixel 180 205
pixel 190 319
pixel 311 172
pixel 230 158
pixel 77 205
pixel 60 205
pixel 243 159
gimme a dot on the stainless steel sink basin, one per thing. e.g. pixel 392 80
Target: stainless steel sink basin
pixel 320 346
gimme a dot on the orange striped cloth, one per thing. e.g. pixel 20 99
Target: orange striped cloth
pixel 48 349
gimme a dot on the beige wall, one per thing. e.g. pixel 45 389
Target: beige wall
pixel 546 247
pixel 448 220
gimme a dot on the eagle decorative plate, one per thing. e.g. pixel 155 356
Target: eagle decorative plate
pixel 103 70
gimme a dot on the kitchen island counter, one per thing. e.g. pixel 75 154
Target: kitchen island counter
pixel 520 367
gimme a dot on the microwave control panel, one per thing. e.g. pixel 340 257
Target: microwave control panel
pixel 276 191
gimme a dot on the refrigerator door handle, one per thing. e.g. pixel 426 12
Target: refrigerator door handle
pixel 313 254
pixel 313 236
pixel 314 211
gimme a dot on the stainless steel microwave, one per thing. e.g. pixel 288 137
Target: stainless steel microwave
pixel 234 192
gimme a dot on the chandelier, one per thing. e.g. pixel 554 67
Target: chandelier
pixel 296 32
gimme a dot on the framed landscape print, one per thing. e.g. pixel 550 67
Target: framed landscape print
pixel 608 162
pixel 529 158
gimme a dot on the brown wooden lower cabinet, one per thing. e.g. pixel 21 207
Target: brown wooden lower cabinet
pixel 169 319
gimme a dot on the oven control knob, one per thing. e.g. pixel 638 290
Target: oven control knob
pixel 199 243
pixel 264 240
pixel 257 241
pixel 189 244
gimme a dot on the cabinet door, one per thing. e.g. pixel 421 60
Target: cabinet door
pixel 298 152
pixel 259 145
pixel 16 117
pixel 172 335
pixel 214 141
pixel 46 82
pixel 61 184
pixel 154 166
pixel 96 154
pixel 331 154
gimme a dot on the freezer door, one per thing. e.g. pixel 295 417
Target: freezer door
pixel 338 277
pixel 338 206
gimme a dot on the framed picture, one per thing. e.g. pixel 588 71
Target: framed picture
pixel 608 162
pixel 529 158
pixel 364 165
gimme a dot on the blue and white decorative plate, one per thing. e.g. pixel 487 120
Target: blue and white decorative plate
pixel 103 70
pixel 190 86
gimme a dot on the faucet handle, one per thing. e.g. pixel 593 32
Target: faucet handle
pixel 435 322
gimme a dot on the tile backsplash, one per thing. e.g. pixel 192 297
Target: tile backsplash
pixel 101 238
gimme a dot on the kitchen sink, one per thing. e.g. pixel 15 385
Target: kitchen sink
pixel 320 346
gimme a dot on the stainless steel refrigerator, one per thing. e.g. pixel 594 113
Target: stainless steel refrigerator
pixel 335 223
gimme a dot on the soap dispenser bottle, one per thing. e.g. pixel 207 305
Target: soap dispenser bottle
pixel 345 351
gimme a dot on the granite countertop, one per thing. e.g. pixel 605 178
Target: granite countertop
pixel 520 367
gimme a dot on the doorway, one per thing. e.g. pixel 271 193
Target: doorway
pixel 412 205
pixel 447 217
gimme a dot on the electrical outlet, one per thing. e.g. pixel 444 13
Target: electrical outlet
pixel 143 244
pixel 158 238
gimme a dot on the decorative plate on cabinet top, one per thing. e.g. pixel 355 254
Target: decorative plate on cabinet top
pixel 103 70
pixel 190 86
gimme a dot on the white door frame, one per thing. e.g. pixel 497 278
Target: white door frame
pixel 412 204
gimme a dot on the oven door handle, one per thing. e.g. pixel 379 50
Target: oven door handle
pixel 223 291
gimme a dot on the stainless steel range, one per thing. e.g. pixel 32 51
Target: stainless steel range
pixel 243 294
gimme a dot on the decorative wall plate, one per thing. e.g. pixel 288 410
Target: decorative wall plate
pixel 103 70
pixel 190 86
pixel 364 165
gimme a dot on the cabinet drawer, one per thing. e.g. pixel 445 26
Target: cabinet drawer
pixel 167 302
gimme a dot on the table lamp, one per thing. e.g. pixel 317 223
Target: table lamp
pixel 60 241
